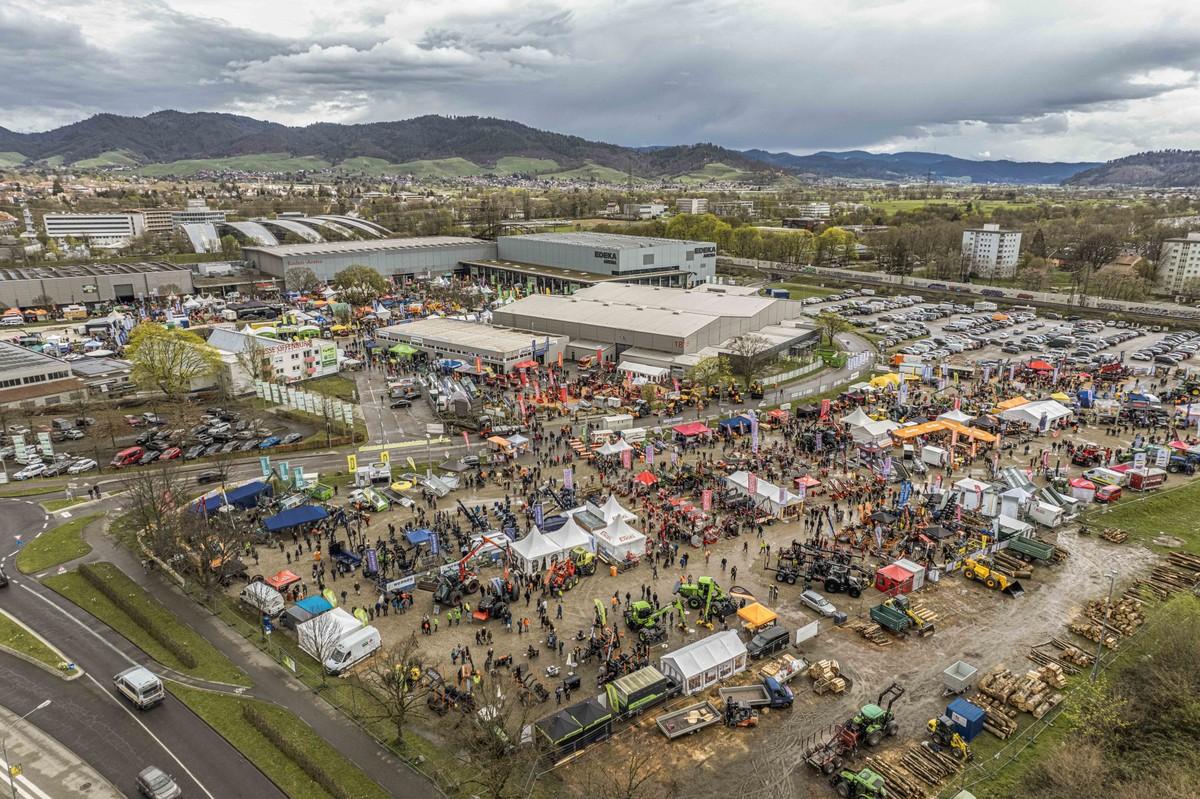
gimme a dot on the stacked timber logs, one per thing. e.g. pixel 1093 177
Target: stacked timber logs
pixel 900 783
pixel 1073 654
pixel 999 719
pixel 872 632
pixel 929 766
pixel 1029 692
pixel 1045 659
pixel 1179 573
pixel 1061 554
pixel 1094 632
pixel 1125 615
pixel 1115 536
pixel 1014 566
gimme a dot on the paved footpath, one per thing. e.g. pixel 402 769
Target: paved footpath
pixel 48 769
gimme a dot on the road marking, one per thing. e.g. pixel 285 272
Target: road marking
pixel 24 786
pixel 89 630
pixel 157 740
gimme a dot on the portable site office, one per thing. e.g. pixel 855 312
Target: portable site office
pixel 577 726
pixel 635 692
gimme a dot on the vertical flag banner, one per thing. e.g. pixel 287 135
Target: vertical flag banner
pixel 298 477
pixel 352 463
pixel 385 457
pixel 752 483
pixel 627 459
pixel 649 454
pixel 569 479
pixel 467 440
pixel 284 474
pixel 824 409
pixel 539 515
pixel 264 463
pixel 802 491
pixel 706 500
pixel 753 432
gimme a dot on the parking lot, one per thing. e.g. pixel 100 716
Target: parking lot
pixel 113 438
pixel 962 334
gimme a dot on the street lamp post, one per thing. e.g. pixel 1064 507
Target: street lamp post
pixel 12 777
pixel 1112 576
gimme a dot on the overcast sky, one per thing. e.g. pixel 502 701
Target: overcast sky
pixel 1024 79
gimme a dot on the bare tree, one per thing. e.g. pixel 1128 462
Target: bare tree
pixel 638 774
pixel 396 673
pixel 749 355
pixel 319 637
pixel 494 763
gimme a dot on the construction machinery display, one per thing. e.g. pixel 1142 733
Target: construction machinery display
pixel 944 738
pixel 708 597
pixel 897 614
pixel 648 620
pixel 865 784
pixel 984 570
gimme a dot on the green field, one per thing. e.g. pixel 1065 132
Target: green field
pixel 259 162
pixel 1169 512
pixel 713 171
pixel 514 164
pixel 985 206
pixel 31 491
pixel 14 636
pixel 55 505
pixel 590 171
pixel 11 159
pixel 211 664
pixel 110 158
pixel 61 544
pixel 800 290
pixel 438 168
pixel 333 386
pixel 223 712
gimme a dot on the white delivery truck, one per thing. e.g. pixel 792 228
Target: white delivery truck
pixel 622 421
pixel 985 306
pixel 263 598
pixel 337 640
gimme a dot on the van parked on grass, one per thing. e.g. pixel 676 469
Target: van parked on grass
pixel 263 598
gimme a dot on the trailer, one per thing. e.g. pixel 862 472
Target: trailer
pixel 891 619
pixel 1029 549
pixel 753 695
pixel 690 719
pixel 784 668
pixel 959 678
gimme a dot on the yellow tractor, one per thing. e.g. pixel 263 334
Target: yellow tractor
pixel 945 739
pixel 985 571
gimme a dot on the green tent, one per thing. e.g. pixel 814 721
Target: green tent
pixel 402 349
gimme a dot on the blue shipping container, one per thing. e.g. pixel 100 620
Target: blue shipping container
pixel 781 294
pixel 966 718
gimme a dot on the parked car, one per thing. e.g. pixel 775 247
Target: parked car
pixel 268 442
pixel 82 465
pixel 1109 493
pixel 292 438
pixel 150 456
pixel 55 469
pixel 818 603
pixel 140 686
pixel 208 477
pixel 193 452
pixel 30 471
pixel 171 453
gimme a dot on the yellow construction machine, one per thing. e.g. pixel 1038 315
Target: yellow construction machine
pixel 984 570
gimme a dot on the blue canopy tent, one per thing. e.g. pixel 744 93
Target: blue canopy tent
pixel 316 605
pixel 247 496
pixel 423 536
pixel 303 514
pixel 735 424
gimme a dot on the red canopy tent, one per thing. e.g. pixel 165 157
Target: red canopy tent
pixel 1040 366
pixel 894 579
pixel 282 580
pixel 525 365
pixel 692 429
pixel 807 481
pixel 646 478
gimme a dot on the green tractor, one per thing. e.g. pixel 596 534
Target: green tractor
pixel 865 784
pixel 585 561
pixel 875 721
pixel 707 597
pixel 643 617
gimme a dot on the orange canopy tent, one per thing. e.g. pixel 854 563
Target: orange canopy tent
pixel 646 478
pixel 1011 402
pixel 757 615
pixel 281 580
pixel 942 426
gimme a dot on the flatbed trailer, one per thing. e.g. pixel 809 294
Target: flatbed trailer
pixel 784 668
pixel 690 719
pixel 753 695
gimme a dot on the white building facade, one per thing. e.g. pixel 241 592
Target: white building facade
pixel 813 210
pixel 1179 263
pixel 990 251
pixel 692 205
pixel 644 210
pixel 111 231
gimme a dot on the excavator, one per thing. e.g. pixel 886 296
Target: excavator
pixel 453 587
pixel 945 739
pixel 642 616
pixel 708 597
pixel 984 570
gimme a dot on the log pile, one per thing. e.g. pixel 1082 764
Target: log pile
pixel 1073 654
pixel 1093 632
pixel 1028 692
pixel 1179 573
pixel 1124 616
pixel 1061 554
pixel 929 766
pixel 999 719
pixel 1014 566
pixel 1045 659
pixel 826 677
pixel 900 783
pixel 1115 536
pixel 872 632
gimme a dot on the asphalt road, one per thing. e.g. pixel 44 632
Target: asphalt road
pixel 88 717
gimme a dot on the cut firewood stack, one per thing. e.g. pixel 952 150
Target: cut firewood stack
pixel 872 632
pixel 1014 566
pixel 999 719
pixel 1073 654
pixel 1094 632
pixel 1180 573
pixel 1115 536
pixel 1044 658
pixel 826 677
pixel 900 783
pixel 1061 554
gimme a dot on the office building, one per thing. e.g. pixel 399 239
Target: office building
pixel 280 361
pixel 101 230
pixel 813 210
pixel 616 256
pixel 1179 264
pixel 692 205
pixel 159 221
pixel 742 209
pixel 196 212
pixel 402 259
pixel 644 210
pixel 990 251
pixel 30 379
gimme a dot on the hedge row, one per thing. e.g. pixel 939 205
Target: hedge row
pixel 292 752
pixel 133 611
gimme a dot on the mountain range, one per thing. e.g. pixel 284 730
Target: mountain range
pixel 183 144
